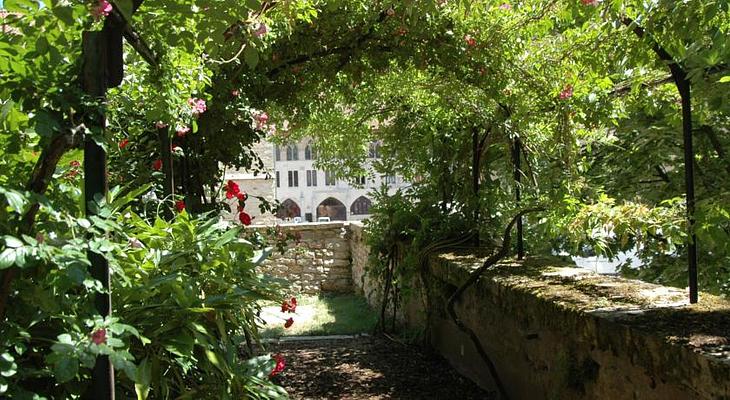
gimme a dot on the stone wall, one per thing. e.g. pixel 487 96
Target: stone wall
pixel 319 261
pixel 552 330
pixel 559 332
pixel 360 253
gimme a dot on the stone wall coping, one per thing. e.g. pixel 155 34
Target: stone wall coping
pixel 355 225
pixel 643 308
pixel 358 226
pixel 305 225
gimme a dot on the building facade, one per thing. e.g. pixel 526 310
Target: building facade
pixel 307 194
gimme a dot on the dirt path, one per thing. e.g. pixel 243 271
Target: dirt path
pixel 368 368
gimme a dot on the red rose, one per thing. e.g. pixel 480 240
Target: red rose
pixel 157 165
pixel 289 306
pixel 244 218
pixel 123 143
pixel 180 205
pixel 99 336
pixel 280 364
pixel 232 190
pixel 75 164
pixel 289 322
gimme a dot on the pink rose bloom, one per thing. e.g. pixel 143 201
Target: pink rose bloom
pixel 505 6
pixel 182 130
pixel 589 2
pixel 566 93
pixel 160 125
pixel 260 118
pixel 260 30
pixel 198 106
pixel 102 9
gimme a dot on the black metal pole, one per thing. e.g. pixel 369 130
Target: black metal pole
pixel 689 157
pixel 166 154
pixel 94 81
pixel 475 161
pixel 516 151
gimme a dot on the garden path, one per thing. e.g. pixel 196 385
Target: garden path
pixel 368 367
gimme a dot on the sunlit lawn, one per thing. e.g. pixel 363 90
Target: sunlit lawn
pixel 321 315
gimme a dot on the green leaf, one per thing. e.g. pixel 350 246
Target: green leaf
pixel 260 256
pixel 41 45
pixel 15 200
pixel 66 369
pixel 120 360
pixel 8 367
pixel 181 344
pixel 142 379
pixel 65 338
pixel 213 358
pixel 12 242
pixel 724 79
pixel 118 203
pixel 65 14
pixel 5 109
pixel 227 237
pixel 251 56
pixel 46 124
pixel 7 258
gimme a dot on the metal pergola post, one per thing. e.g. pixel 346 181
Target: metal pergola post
pixel 689 158
pixel 516 152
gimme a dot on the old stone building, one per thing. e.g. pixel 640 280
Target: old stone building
pixel 305 193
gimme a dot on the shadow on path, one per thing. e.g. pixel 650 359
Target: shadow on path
pixel 368 368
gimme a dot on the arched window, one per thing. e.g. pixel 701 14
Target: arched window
pixel 277 153
pixel 310 153
pixel 292 152
pixel 374 150
pixel 332 208
pixel 361 206
pixel 288 209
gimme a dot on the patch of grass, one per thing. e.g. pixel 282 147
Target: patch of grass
pixel 321 315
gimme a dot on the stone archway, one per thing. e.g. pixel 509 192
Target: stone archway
pixel 332 208
pixel 288 209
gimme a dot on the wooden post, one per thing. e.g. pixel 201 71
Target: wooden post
pixel 94 81
pixel 102 68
